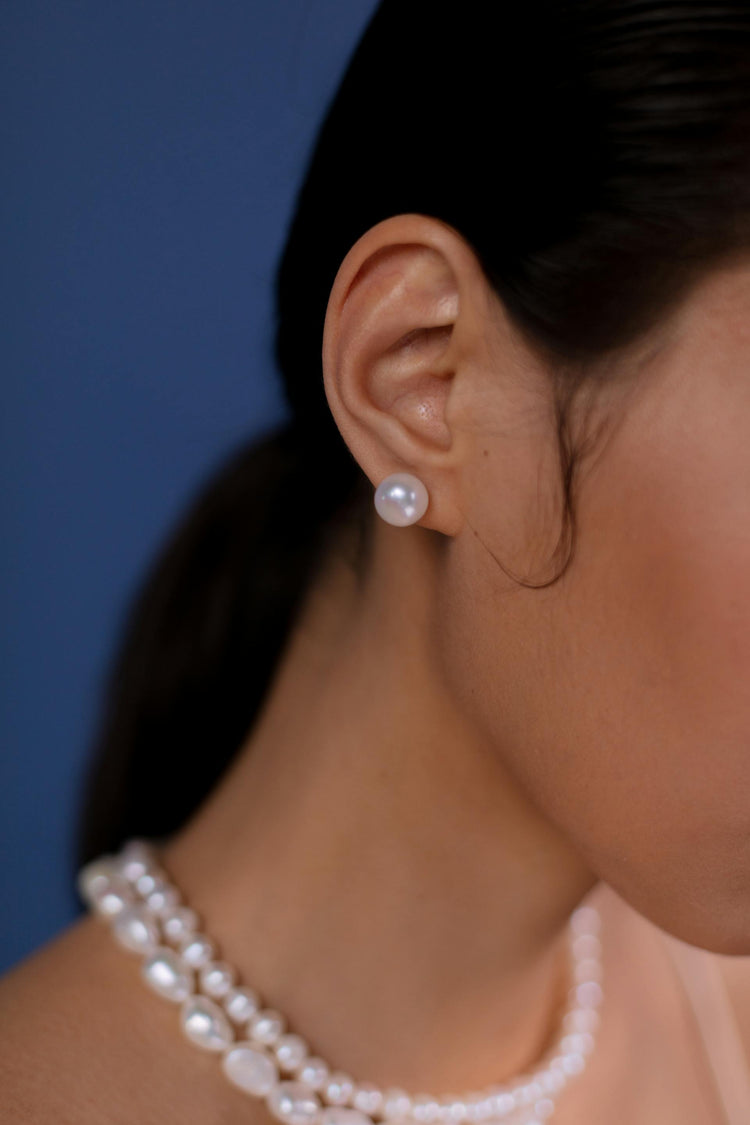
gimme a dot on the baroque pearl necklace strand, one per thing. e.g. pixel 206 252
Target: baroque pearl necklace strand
pixel 134 895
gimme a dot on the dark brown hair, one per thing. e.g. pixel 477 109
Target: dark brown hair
pixel 596 156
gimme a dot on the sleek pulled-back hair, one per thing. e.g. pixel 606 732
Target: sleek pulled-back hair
pixel 596 156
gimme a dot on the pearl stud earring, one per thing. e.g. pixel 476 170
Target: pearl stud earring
pixel 401 499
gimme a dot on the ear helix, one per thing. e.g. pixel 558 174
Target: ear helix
pixel 401 499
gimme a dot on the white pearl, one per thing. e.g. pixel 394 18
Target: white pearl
pixel 570 1063
pixel 396 1102
pixel 587 969
pixel 581 1019
pixel 167 974
pixel 585 920
pixel 544 1108
pixel 114 898
pixel 588 994
pixel 95 878
pixel 552 1080
pixel 367 1098
pixel 401 499
pixel 205 1024
pixel 197 950
pixel 578 1042
pixel 586 945
pixel 504 1102
pixel 250 1068
pixel 340 1115
pixel 339 1088
pixel 293 1103
pixel 178 923
pixel 527 1092
pixel 241 1003
pixel 149 881
pixel 162 898
pixel 136 858
pixel 485 1108
pixel 291 1051
pixel 266 1026
pixel 453 1110
pixel 314 1072
pixel 217 979
pixel 425 1109
pixel 136 930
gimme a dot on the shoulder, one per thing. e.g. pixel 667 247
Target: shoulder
pixel 70 1031
pixel 48 1021
pixel 83 1039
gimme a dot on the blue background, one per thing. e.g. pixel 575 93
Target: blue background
pixel 151 152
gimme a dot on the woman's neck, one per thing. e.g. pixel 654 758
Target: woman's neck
pixel 371 868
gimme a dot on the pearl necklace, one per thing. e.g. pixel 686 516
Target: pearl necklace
pixel 132 892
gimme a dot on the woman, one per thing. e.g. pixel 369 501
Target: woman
pixel 404 758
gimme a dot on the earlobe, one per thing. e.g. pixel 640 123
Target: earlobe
pixel 388 355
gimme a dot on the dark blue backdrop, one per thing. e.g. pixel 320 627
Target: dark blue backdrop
pixel 151 152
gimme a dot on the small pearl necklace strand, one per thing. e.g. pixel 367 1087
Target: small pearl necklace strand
pixel 132 892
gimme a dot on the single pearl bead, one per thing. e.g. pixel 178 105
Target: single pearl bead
pixel 588 994
pixel 396 1102
pixel 368 1098
pixel 148 882
pixel 425 1109
pixel 94 879
pixel 587 969
pixel 586 945
pixel 241 1003
pixel 294 1103
pixel 580 1042
pixel 197 950
pixel 136 858
pixel 135 929
pixel 527 1092
pixel 291 1051
pixel 570 1064
pixel 167 974
pixel 205 1024
pixel 250 1068
pixel 504 1103
pixel 217 979
pixel 401 499
pixel 339 1089
pixel 457 1110
pixel 472 1107
pixel 544 1108
pixel 266 1026
pixel 162 898
pixel 314 1072
pixel 114 898
pixel 179 923
pixel 552 1080
pixel 487 1108
pixel 585 920
pixel 581 1019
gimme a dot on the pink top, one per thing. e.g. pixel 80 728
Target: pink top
pixel 717 1024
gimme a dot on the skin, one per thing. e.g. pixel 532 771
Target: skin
pixel 448 761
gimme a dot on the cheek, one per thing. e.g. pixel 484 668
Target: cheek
pixel 620 697
pixel 661 669
pixel 654 633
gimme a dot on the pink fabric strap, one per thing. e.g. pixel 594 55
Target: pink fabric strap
pixel 718 1027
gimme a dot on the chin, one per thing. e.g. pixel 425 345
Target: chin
pixel 718 925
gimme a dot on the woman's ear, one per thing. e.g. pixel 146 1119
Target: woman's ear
pixel 394 348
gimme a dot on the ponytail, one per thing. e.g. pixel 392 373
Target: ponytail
pixel 205 634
